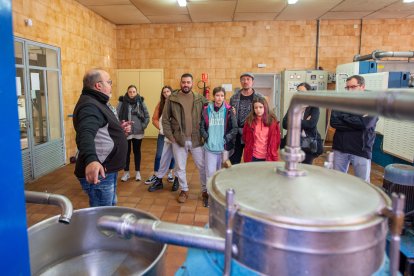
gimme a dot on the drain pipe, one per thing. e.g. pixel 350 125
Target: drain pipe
pixel 52 199
pixel 378 54
pixel 318 29
pixel 128 225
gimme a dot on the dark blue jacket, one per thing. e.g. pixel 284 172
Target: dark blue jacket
pixel 355 134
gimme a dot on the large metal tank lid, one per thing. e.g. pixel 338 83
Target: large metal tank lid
pixel 322 197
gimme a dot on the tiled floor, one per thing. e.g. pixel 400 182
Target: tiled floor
pixel 162 204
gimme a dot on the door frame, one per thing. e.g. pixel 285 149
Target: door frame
pixel 29 155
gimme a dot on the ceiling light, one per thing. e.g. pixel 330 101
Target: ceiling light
pixel 291 2
pixel 408 1
pixel 182 3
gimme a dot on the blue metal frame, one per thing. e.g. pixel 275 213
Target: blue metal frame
pixel 14 254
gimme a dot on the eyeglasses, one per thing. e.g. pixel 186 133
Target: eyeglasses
pixel 352 87
pixel 108 82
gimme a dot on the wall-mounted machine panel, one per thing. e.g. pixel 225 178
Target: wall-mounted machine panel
pixel 397 134
pixel 343 71
pixel 317 79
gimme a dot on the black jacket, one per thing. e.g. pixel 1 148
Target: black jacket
pixel 355 134
pixel 309 126
pixel 99 136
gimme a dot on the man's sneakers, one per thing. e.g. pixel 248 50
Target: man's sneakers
pixel 182 198
pixel 138 176
pixel 157 185
pixel 171 177
pixel 205 199
pixel 175 185
pixel 151 179
pixel 125 177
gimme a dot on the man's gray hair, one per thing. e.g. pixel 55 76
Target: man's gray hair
pixel 360 79
pixel 91 78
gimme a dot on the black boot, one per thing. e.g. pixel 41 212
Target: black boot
pixel 175 185
pixel 157 185
pixel 205 199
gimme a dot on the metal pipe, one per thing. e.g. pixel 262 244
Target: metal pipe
pixel 164 232
pixel 377 54
pixel 52 199
pixel 318 35
pixel 397 224
pixel 230 212
pixel 392 104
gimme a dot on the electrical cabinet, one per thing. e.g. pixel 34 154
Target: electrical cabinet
pixel 317 79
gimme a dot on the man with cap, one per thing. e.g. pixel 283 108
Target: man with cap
pixel 241 101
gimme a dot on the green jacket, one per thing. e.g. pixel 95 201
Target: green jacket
pixel 173 120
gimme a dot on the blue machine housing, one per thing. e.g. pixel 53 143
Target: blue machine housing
pixel 366 67
pixel 203 262
pixel 398 79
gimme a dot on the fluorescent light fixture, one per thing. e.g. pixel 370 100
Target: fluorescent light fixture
pixel 291 2
pixel 182 3
pixel 408 1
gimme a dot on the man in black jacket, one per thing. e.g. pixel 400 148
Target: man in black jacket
pixel 354 136
pixel 241 101
pixel 100 139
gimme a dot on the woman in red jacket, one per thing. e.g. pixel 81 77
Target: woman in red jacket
pixel 261 133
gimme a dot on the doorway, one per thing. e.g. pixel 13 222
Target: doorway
pixel 39 104
pixel 268 84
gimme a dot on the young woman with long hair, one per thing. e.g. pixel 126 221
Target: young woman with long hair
pixel 132 108
pixel 156 121
pixel 261 133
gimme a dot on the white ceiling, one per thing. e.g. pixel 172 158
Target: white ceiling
pixel 123 12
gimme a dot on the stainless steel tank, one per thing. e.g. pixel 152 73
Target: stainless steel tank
pixel 79 248
pixel 326 223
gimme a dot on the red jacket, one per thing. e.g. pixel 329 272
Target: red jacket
pixel 272 144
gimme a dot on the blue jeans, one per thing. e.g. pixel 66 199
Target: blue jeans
pixel 362 166
pixel 103 193
pixel 158 153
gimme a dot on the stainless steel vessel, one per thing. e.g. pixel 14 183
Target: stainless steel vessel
pixel 79 248
pixel 326 223
pixel 287 218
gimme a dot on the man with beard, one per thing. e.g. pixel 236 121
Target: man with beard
pixel 241 101
pixel 181 123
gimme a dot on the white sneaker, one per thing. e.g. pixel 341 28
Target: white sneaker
pixel 125 177
pixel 138 177
pixel 151 179
pixel 170 177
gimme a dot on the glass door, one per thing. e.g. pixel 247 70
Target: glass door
pixel 39 105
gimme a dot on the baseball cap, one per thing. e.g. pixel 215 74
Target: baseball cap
pixel 247 74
